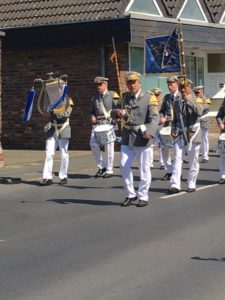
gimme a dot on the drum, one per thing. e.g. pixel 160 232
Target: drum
pixel 165 137
pixel 104 134
pixel 221 144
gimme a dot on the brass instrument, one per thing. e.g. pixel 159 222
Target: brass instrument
pixel 52 97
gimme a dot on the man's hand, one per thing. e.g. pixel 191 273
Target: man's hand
pixel 120 112
pixel 174 134
pixel 93 120
pixel 162 120
pixel 221 126
pixel 147 136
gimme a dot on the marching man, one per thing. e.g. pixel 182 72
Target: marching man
pixel 101 106
pixel 166 118
pixel 141 117
pixel 57 134
pixel 186 131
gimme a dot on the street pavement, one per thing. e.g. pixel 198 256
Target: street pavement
pixel 75 242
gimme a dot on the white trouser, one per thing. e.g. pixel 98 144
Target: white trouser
pixel 151 155
pixel 156 143
pixel 51 145
pixel 161 156
pixel 167 160
pixel 193 171
pixel 205 143
pixel 106 160
pixel 142 154
pixel 222 165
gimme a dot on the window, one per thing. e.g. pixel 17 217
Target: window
pixel 144 6
pixel 192 10
pixel 148 81
pixel 216 63
pixel 137 59
pixel 195 69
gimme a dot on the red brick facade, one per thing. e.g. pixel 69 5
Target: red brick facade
pixel 21 67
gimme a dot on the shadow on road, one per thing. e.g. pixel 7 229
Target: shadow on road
pixel 209 258
pixel 80 201
pixel 10 180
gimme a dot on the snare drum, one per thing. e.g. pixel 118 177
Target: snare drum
pixel 104 134
pixel 221 144
pixel 165 137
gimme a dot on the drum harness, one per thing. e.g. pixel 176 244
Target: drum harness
pixel 107 114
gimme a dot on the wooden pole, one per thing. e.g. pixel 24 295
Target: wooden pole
pixel 115 59
pixel 183 72
pixel 181 46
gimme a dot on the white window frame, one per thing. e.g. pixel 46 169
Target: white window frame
pixel 199 5
pixel 223 16
pixel 128 11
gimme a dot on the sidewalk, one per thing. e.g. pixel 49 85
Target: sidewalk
pixel 20 157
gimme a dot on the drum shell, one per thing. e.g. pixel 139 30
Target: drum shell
pixel 166 140
pixel 104 134
pixel 221 147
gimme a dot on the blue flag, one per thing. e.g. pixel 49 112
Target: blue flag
pixel 162 54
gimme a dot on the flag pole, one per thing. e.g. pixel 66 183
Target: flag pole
pixel 181 46
pixel 115 58
pixel 183 72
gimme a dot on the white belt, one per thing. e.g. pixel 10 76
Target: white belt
pixel 197 127
pixel 204 116
pixel 136 127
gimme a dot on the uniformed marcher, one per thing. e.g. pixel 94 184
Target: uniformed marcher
pixel 221 124
pixel 204 122
pixel 186 131
pixel 101 119
pixel 57 133
pixel 140 116
pixel 166 118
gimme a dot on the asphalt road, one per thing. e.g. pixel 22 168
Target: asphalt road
pixel 75 242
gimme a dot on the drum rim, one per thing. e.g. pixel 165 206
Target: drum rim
pixel 109 127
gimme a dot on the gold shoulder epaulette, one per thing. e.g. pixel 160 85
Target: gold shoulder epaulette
pixel 115 95
pixel 153 100
pixel 198 100
pixel 59 110
pixel 207 101
pixel 70 102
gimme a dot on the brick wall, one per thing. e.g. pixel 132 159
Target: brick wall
pixel 21 67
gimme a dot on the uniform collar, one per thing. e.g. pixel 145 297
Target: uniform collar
pixel 137 94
